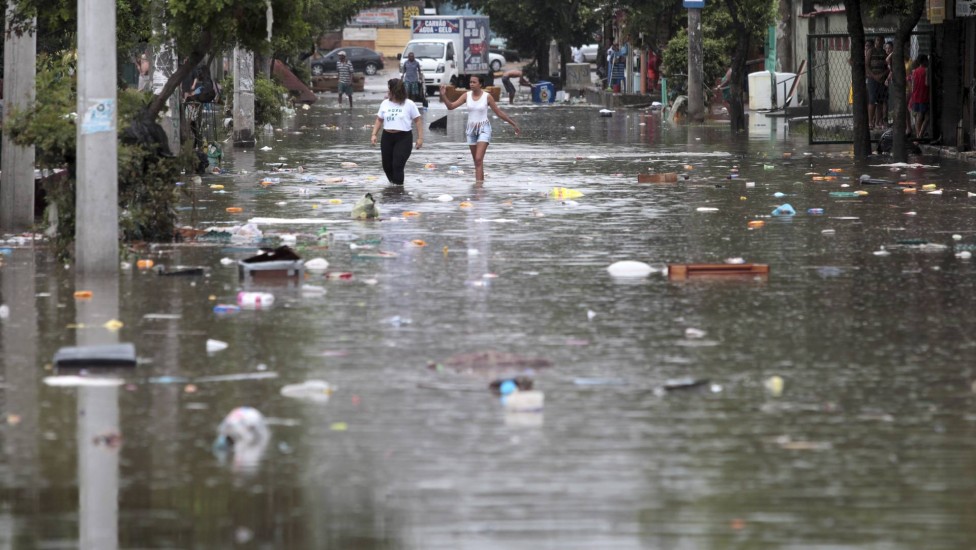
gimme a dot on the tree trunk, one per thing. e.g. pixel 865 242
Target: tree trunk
pixel 784 36
pixel 903 33
pixel 542 59
pixel 200 49
pixel 737 111
pixel 855 28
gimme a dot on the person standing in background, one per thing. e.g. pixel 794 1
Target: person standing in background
pixel 920 95
pixel 413 78
pixel 142 65
pixel 344 68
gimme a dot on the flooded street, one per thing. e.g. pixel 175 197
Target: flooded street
pixel 867 444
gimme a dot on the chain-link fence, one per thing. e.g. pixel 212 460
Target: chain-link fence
pixel 830 92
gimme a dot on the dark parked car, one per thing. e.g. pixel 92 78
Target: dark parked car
pixel 362 59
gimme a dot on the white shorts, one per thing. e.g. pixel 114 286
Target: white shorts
pixel 482 133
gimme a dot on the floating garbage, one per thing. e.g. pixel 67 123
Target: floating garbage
pixel 318 391
pixel 255 300
pixel 606 113
pixel 224 309
pixel 774 384
pixel 317 264
pixel 868 180
pixel 517 400
pixel 244 431
pixel 105 355
pixel 366 208
pixel 349 165
pixel 815 211
pixel 706 209
pixel 667 177
pixel 279 263
pixel 444 198
pixel 213 346
pixel 844 194
pixel 684 271
pixel 784 209
pixel 756 224
pixel 561 193
pixel 629 269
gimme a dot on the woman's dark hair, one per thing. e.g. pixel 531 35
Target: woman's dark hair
pixel 398 92
pixel 481 79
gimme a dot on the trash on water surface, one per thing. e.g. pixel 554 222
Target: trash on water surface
pixel 629 269
pixel 606 113
pixel 144 264
pixel 317 391
pixel 213 346
pixel 105 355
pixel 868 180
pixel 278 263
pixel 317 264
pixel 815 211
pixel 349 165
pixel 366 208
pixel 564 193
pixel 255 300
pixel 687 383
pixel 784 209
pixel 843 194
pixel 684 271
pixel 667 177
pixel 226 308
pixel 83 294
pixel 756 224
pixel 706 209
pixel 444 198
pixel 244 431
pixel 779 194
pixel 234 209
pixel 774 384
pixel 524 401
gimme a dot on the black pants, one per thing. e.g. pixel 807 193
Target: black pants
pixel 395 148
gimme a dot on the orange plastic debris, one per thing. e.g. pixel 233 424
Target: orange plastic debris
pixel 410 214
pixel 83 294
pixel 144 264
pixel 756 224
pixel 234 209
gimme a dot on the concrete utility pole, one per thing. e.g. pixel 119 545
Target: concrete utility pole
pixel 17 181
pixel 243 98
pixel 97 209
pixel 696 99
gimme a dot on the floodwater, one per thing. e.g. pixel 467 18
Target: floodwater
pixel 868 445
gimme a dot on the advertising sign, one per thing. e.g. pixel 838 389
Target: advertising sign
pixel 474 42
pixel 422 26
pixel 389 16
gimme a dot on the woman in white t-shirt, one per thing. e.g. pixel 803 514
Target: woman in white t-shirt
pixel 395 116
pixel 478 129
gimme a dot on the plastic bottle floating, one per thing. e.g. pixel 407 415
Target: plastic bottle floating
pixel 561 193
pixel 349 165
pixel 411 214
pixel 466 204
pixel 234 209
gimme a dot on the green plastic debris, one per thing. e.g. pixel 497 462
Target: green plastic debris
pixel 843 194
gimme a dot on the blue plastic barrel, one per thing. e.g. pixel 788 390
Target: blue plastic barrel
pixel 543 92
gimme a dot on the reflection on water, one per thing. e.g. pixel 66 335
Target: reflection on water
pixel 876 407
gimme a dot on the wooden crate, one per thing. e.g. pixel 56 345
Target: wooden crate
pixel 683 271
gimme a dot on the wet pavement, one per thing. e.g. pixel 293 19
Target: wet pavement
pixel 864 440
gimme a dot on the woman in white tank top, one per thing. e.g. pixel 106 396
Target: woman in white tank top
pixel 478 129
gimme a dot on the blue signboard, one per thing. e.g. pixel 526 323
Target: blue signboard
pixel 699 4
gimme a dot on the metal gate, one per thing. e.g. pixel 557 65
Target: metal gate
pixel 829 90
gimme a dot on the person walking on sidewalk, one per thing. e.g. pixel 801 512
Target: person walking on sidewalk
pixel 395 116
pixel 478 130
pixel 345 78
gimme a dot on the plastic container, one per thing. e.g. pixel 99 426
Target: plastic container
pixel 543 92
pixel 255 300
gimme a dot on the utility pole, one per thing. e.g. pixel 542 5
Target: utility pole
pixel 696 99
pixel 243 98
pixel 97 209
pixel 17 181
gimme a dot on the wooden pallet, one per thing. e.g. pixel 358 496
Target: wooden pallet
pixel 683 271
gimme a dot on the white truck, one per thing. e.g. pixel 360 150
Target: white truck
pixel 450 49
